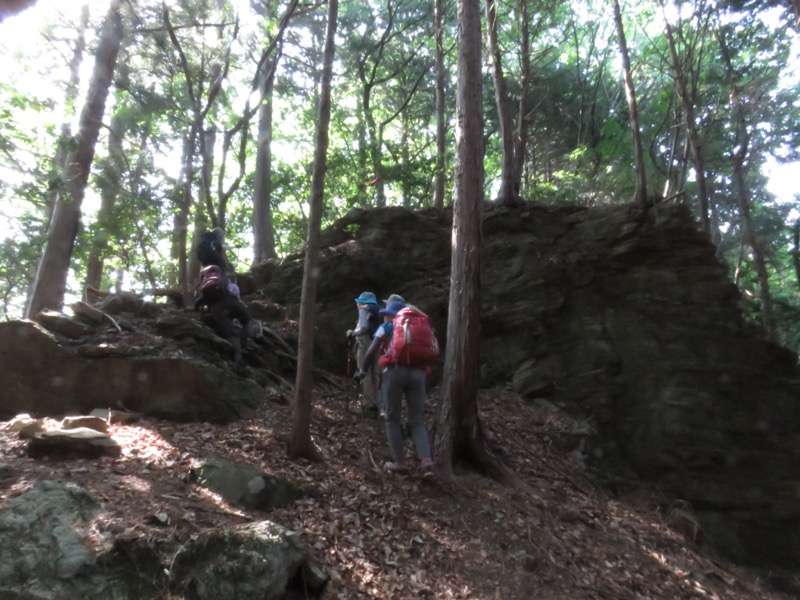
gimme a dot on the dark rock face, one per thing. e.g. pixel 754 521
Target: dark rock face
pixel 620 315
pixel 42 376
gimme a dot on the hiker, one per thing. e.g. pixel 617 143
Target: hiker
pixel 380 346
pixel 413 344
pixel 211 250
pixel 394 298
pixel 223 309
pixel 367 324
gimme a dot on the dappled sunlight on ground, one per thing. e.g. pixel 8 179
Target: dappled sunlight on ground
pixel 379 535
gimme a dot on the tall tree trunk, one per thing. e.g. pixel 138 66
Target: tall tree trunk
pixel 181 222
pixel 109 190
pixel 521 137
pixel 50 282
pixel 405 156
pixel 301 444
pixel 459 433
pixel 441 148
pixel 509 184
pixel 208 140
pixel 739 158
pixel 796 250
pixel 682 89
pixel 60 159
pixel 640 196
pixel 263 232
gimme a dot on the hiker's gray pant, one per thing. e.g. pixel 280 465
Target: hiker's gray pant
pixel 408 382
pixel 369 379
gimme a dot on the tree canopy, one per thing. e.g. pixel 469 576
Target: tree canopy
pixel 184 131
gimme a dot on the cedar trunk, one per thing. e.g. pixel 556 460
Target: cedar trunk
pixel 640 196
pixel 50 283
pixel 439 184
pixel 459 434
pixel 263 232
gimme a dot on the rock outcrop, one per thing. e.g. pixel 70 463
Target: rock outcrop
pixel 620 315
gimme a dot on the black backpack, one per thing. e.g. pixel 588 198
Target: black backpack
pixel 375 318
pixel 210 251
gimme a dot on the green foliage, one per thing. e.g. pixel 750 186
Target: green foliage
pixel 383 123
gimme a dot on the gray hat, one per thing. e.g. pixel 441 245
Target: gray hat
pixel 394 298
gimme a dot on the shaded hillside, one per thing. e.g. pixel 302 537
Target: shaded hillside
pixel 623 317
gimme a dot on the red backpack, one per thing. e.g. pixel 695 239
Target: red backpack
pixel 414 342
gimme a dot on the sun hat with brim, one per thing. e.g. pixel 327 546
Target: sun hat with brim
pixel 367 298
pixel 393 308
pixel 394 298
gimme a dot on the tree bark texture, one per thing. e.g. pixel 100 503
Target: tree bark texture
pixel 441 130
pixel 263 232
pixel 509 184
pixel 640 196
pixel 521 137
pixel 459 434
pixel 110 188
pixel 50 283
pixel 60 159
pixel 301 444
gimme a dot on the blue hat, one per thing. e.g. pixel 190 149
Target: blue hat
pixel 367 298
pixel 392 308
pixel 394 298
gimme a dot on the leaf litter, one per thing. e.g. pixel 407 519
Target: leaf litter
pixel 381 535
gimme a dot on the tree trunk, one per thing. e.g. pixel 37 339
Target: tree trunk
pixel 374 144
pixel 405 157
pixel 459 433
pixel 50 282
pixel 60 159
pixel 521 138
pixel 109 190
pixel 682 89
pixel 301 445
pixel 441 148
pixel 509 185
pixel 739 158
pixel 181 223
pixel 796 250
pixel 263 232
pixel 640 197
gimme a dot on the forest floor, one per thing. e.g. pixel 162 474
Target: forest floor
pixel 380 535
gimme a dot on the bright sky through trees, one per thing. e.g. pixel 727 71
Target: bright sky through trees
pixel 383 130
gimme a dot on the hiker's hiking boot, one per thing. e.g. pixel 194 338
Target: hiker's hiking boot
pixel 371 412
pixel 427 468
pixel 398 467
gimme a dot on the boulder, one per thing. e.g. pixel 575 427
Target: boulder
pixel 80 442
pixel 258 560
pixel 243 484
pixel 51 548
